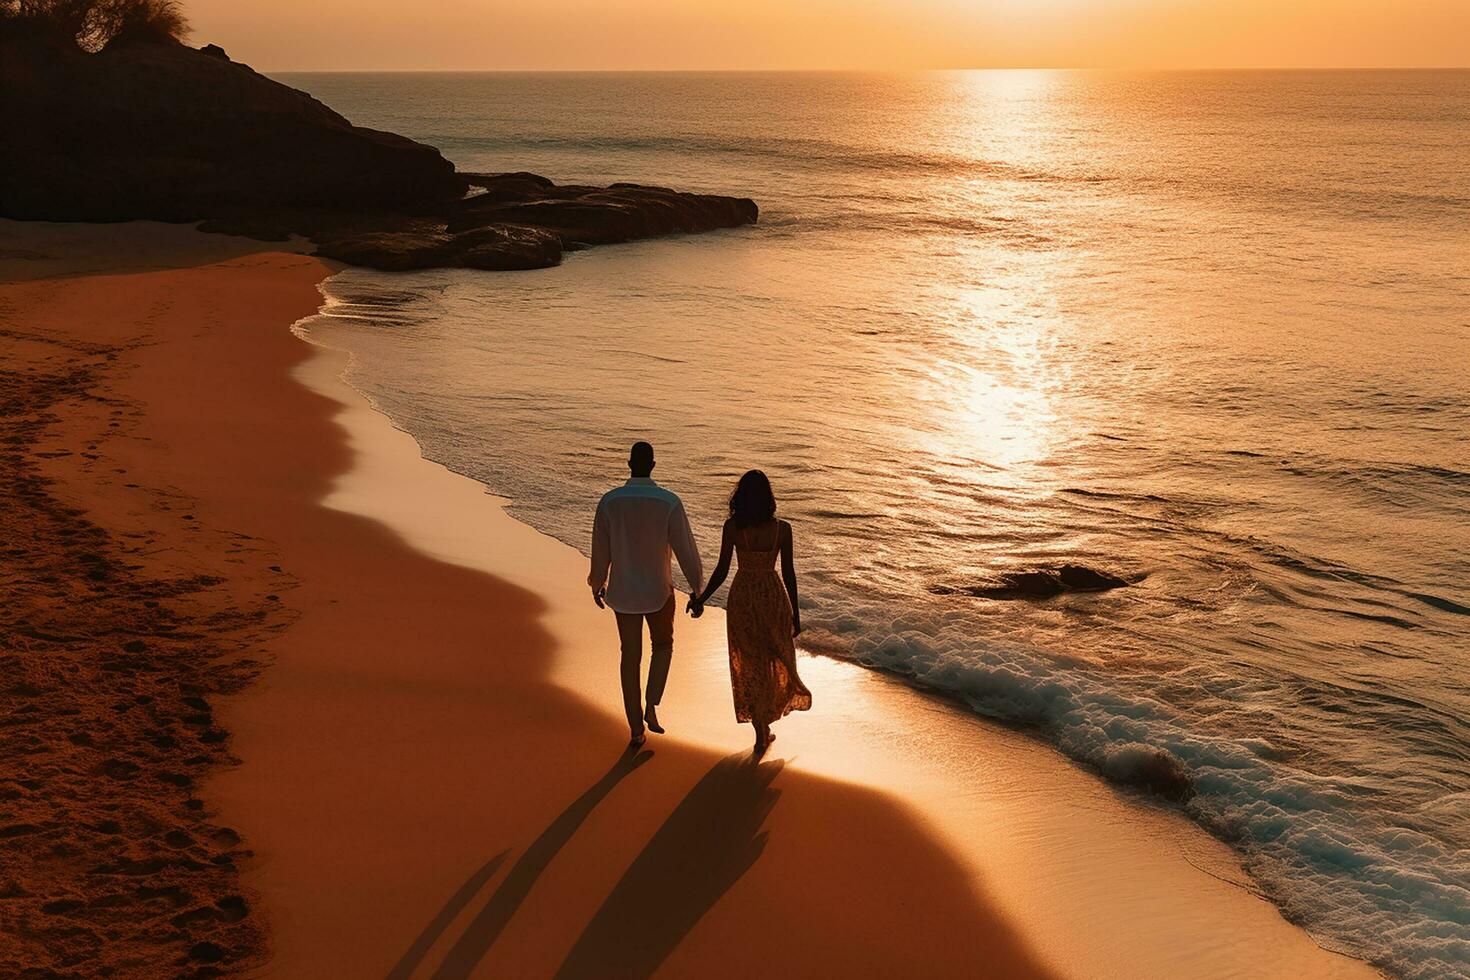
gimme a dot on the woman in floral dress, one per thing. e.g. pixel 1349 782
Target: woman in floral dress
pixel 762 617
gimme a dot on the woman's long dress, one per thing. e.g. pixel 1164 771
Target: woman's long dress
pixel 762 650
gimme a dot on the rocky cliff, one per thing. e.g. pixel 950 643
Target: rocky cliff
pixel 148 128
pixel 151 128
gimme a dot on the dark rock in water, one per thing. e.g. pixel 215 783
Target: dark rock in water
pixel 505 188
pixel 1080 578
pixel 525 221
pixel 390 250
pixel 495 247
pixel 1152 769
pixel 1162 774
pixel 149 128
pixel 1038 584
pixel 596 215
pixel 507 248
pixel 1035 584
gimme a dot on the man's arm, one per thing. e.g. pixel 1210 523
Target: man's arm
pixel 681 540
pixel 601 554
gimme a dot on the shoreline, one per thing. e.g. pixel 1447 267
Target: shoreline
pixel 382 749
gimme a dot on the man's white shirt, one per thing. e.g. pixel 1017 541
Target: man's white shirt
pixel 637 526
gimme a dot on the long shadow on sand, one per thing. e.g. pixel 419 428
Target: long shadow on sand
pixel 710 840
pixel 481 934
pixel 410 960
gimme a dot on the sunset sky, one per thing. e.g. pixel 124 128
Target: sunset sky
pixel 755 34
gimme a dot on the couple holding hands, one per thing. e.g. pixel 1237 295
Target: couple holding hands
pixel 637 527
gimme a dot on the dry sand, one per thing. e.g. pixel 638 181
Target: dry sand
pixel 432 777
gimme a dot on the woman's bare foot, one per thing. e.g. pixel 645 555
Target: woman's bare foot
pixel 763 738
pixel 650 718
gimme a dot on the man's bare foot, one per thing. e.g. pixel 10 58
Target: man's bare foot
pixel 637 740
pixel 650 718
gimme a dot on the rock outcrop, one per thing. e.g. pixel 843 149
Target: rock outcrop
pixel 525 221
pixel 150 128
pixel 584 216
pixel 1042 584
pixel 495 247
pixel 1151 769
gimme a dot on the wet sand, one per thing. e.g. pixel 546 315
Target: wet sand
pixel 424 706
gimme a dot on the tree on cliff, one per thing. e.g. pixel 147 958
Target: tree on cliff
pixel 94 23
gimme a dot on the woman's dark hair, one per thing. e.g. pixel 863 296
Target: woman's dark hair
pixel 752 502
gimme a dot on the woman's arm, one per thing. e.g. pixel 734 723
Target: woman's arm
pixel 722 568
pixel 788 574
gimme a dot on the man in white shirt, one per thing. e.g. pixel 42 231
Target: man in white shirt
pixel 637 526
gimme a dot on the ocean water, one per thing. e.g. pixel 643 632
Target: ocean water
pixel 1207 331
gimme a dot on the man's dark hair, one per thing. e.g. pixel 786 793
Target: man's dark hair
pixel 640 460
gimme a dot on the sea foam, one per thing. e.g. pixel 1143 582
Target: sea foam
pixel 1324 860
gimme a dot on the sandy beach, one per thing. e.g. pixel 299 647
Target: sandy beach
pixel 329 711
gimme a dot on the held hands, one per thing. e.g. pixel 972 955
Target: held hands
pixel 598 596
pixel 695 608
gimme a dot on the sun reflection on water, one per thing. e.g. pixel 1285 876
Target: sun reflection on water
pixel 991 398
